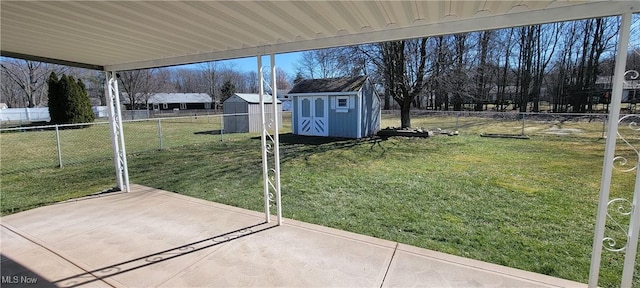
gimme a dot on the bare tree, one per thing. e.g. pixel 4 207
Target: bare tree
pixel 209 73
pixel 31 78
pixel 282 77
pixel 329 63
pixel 140 85
pixel 439 73
pixel 459 76
pixel 251 80
pixel 546 41
pixel 186 80
pixel 596 36
pixel 482 73
pixel 10 93
pixel 403 65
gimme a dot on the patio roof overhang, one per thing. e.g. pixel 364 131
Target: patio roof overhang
pixel 116 35
pixel 124 35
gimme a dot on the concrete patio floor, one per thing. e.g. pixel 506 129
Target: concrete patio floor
pixel 155 238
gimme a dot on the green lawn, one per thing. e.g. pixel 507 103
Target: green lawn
pixel 528 204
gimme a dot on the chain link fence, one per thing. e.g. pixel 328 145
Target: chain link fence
pixel 26 148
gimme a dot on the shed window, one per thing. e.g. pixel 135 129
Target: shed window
pixel 343 102
pixel 165 106
pixel 319 107
pixel 306 108
pixel 183 106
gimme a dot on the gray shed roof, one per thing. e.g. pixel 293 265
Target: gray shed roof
pixel 180 98
pixel 342 84
pixel 254 98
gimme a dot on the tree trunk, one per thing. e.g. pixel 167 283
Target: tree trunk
pixel 405 117
pixel 387 101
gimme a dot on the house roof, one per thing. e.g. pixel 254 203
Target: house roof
pixel 254 98
pixel 160 98
pixel 341 84
pixel 124 35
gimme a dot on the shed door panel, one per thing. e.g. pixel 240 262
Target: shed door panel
pixel 313 116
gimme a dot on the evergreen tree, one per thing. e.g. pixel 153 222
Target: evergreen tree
pixel 56 103
pixel 227 90
pixel 68 101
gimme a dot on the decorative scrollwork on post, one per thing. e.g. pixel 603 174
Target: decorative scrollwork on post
pixel 270 142
pixel 631 75
pixel 118 143
pixel 627 133
pixel 617 208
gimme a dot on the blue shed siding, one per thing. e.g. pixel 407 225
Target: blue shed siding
pixel 294 115
pixel 341 124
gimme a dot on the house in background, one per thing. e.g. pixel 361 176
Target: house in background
pixel 283 96
pixel 242 113
pixel 170 101
pixel 180 101
pixel 630 89
pixel 346 107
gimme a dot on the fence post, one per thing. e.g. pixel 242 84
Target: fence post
pixel 523 116
pixel 58 146
pixel 221 127
pixel 160 134
pixel 604 125
pixel 457 119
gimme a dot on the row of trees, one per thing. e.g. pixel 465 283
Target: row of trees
pixel 516 68
pixel 24 83
pixel 219 81
pixel 564 64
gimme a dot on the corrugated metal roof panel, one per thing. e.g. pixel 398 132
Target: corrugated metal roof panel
pixel 123 35
pixel 255 98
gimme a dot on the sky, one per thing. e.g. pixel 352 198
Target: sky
pixel 286 61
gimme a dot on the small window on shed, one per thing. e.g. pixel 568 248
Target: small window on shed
pixel 165 106
pixel 183 106
pixel 306 108
pixel 342 104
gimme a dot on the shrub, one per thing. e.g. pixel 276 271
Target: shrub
pixel 68 101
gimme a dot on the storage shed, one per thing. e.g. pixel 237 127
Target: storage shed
pixel 242 113
pixel 346 107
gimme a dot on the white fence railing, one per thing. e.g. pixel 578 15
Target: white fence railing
pixel 18 115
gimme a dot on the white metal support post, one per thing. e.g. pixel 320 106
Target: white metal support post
pixel 276 137
pixel 270 144
pixel 607 170
pixel 263 146
pixel 117 135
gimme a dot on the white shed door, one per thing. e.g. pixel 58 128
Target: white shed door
pixel 313 118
